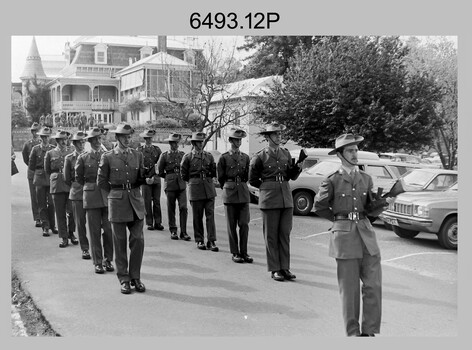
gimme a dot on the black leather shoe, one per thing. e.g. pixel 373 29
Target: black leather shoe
pixel 212 246
pixel 64 243
pixel 150 228
pixel 247 258
pixel 85 255
pixel 138 285
pixel 73 239
pixel 38 223
pixel 201 246
pixel 46 232
pixel 277 276
pixel 159 227
pixel 185 237
pixel 366 335
pixel 288 275
pixel 108 266
pixel 125 288
pixel 99 269
pixel 173 235
pixel 53 230
pixel 237 258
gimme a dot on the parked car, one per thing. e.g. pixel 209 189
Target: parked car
pixel 407 158
pixel 426 211
pixel 314 155
pixel 304 189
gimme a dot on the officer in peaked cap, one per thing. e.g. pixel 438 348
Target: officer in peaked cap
pixel 198 168
pixel 344 198
pixel 233 173
pixel 270 170
pixel 121 173
pixel 168 167
pixel 25 152
pixel 151 190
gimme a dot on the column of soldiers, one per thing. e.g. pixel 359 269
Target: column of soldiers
pixel 115 192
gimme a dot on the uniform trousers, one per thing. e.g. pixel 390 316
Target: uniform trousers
pixel 199 208
pixel 152 203
pixel 126 272
pixel 276 226
pixel 97 219
pixel 350 273
pixel 34 200
pixel 60 201
pixel 181 197
pixel 70 217
pixel 80 222
pixel 237 215
pixel 46 207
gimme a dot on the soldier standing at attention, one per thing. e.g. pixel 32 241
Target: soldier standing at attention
pixel 344 198
pixel 151 190
pixel 25 152
pixel 41 182
pixel 198 168
pixel 107 145
pixel 76 193
pixel 233 172
pixel 121 172
pixel 54 167
pixel 95 203
pixel 168 167
pixel 270 170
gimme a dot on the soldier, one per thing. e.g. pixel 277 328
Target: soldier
pixel 76 192
pixel 270 170
pixel 54 167
pixel 41 120
pixel 25 152
pixel 121 172
pixel 151 190
pixel 48 121
pixel 198 168
pixel 69 211
pixel 107 145
pixel 344 198
pixel 95 203
pixel 41 182
pixel 168 167
pixel 233 172
pixel 83 121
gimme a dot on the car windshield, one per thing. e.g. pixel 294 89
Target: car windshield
pixel 323 168
pixel 417 178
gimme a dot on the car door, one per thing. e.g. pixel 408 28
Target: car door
pixel 382 176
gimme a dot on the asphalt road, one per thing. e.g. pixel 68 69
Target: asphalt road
pixel 193 293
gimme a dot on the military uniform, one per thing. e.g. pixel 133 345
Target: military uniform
pixel 199 169
pixel 168 167
pixel 151 193
pixel 25 152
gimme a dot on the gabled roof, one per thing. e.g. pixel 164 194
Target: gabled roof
pixel 247 88
pixel 133 40
pixel 158 59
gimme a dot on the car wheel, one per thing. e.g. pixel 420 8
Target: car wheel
pixel 404 233
pixel 302 203
pixel 447 235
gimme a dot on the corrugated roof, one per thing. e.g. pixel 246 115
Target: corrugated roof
pixel 160 58
pixel 247 88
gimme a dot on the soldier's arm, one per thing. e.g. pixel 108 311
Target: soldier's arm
pixel 220 171
pixel 255 171
pixel 184 168
pixel 160 166
pixel 141 173
pixel 32 161
pixel 212 166
pixel 25 153
pixel 47 163
pixel 103 174
pixel 323 200
pixel 79 170
pixel 67 171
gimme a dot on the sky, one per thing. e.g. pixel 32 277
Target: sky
pixel 54 45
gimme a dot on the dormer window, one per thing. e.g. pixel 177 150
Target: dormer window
pixel 145 51
pixel 101 54
pixel 189 56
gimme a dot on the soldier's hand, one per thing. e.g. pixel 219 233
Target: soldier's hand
pixel 149 180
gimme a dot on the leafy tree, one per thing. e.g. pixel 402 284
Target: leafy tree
pixel 18 117
pixel 353 84
pixel 37 101
pixel 134 105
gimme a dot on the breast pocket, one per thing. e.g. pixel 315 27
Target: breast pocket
pixel 343 202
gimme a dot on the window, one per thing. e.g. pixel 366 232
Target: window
pixel 378 171
pixel 101 53
pixel 236 118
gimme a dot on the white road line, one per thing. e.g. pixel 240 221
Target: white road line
pixel 313 235
pixel 259 218
pixel 423 253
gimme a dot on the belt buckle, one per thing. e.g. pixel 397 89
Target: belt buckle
pixel 353 216
pixel 278 178
pixel 203 175
pixel 237 179
pixel 127 186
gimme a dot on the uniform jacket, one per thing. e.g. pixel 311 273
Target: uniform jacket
pixel 199 170
pixel 86 171
pixel 36 164
pixel 151 156
pixel 117 168
pixel 168 167
pixel 54 167
pixel 26 151
pixel 76 189
pixel 339 194
pixel 265 166
pixel 235 168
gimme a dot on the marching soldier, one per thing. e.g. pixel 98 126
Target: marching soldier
pixel 106 143
pixel 41 182
pixel 54 167
pixel 198 168
pixel 25 152
pixel 76 192
pixel 168 167
pixel 270 170
pixel 95 203
pixel 121 172
pixel 151 190
pixel 233 172
pixel 344 198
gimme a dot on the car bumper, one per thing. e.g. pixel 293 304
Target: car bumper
pixel 409 222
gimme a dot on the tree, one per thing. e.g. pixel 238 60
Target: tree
pixel 18 117
pixel 134 105
pixel 37 101
pixel 437 57
pixel 353 84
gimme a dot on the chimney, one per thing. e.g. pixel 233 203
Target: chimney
pixel 161 43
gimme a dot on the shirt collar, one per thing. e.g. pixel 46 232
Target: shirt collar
pixel 348 170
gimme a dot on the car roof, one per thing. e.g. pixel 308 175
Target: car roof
pixel 436 170
pixel 323 152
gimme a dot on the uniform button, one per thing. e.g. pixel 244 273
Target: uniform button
pixel 353 189
pixel 355 208
pixel 355 198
